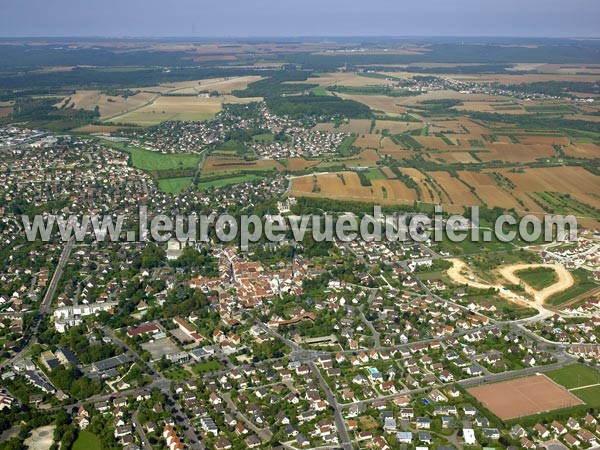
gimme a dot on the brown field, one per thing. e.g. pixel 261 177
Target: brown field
pixel 487 188
pixel 493 107
pixel 395 127
pixel 389 146
pixel 389 105
pixel 109 105
pixel 516 152
pixel 434 142
pixel 295 164
pixel 99 129
pixel 359 126
pixel 459 193
pixel 547 140
pixel 421 179
pixel 451 157
pixel 220 85
pixel 583 150
pixel 558 179
pixel 523 397
pixel 163 109
pixel 526 78
pixel 5 111
pixel 344 79
pixel 368 156
pixel 331 185
pixel 369 141
pixel 576 181
pixel 388 172
pixel 583 117
pixel 438 95
pixel 217 164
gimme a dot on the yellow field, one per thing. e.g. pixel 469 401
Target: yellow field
pixel 220 85
pixel 109 105
pixel 344 79
pixel 164 109
pixel 389 105
pixel 346 186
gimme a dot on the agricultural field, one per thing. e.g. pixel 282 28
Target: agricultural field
pixel 204 185
pixel 108 105
pixel 220 165
pixel 349 186
pixel 220 85
pixel 184 108
pixel 174 185
pixel 154 161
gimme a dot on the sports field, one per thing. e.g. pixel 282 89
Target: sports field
pixel 582 381
pixel 524 397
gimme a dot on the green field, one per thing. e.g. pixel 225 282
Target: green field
pixel 538 278
pixel 345 148
pixel 320 90
pixel 154 161
pixel 375 174
pixel 174 185
pixel 87 441
pixel 583 283
pixel 150 161
pixel 590 395
pixel 203 185
pixel 575 375
pixel 208 366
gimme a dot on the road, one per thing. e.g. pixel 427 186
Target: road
pixel 368 323
pixel 264 433
pixel 308 357
pixel 45 307
pixel 164 385
pixel 337 413
pixel 140 430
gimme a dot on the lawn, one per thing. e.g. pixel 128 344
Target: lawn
pixel 226 182
pixel 538 278
pixel 583 284
pixel 264 138
pixel 174 185
pixel 148 160
pixel 87 441
pixel 177 373
pixel 575 375
pixel 154 161
pixel 590 395
pixel 208 366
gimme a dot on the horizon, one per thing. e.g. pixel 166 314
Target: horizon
pixel 185 18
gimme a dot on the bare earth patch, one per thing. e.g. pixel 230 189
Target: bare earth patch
pixel 523 397
pixel 41 438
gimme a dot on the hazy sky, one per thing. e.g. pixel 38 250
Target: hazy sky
pixel 299 18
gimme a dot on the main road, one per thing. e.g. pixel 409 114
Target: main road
pixel 31 337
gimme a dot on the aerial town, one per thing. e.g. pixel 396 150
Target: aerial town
pixel 114 338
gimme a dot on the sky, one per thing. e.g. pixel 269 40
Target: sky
pixel 251 18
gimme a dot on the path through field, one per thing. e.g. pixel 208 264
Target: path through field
pixel 461 273
pixel 565 279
